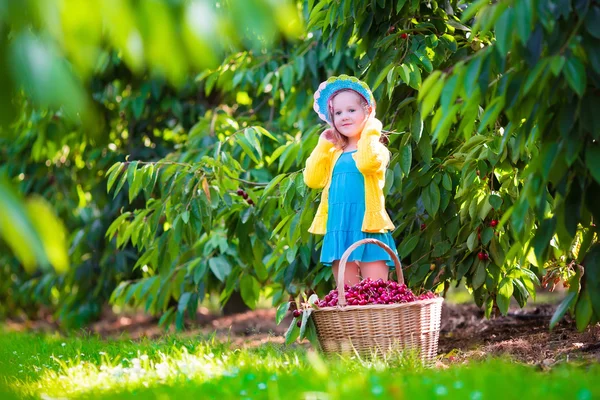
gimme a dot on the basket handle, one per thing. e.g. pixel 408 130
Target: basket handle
pixel 344 260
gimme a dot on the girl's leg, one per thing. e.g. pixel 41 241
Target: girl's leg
pixel 374 270
pixel 351 273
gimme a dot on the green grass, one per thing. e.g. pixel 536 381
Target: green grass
pixel 37 366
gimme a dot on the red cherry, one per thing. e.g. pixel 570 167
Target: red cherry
pixel 296 313
pixel 404 36
pixel 244 195
pixel 423 226
pixel 481 255
pixel 240 192
pixel 494 223
pixel 486 256
pixel 299 323
pixel 251 202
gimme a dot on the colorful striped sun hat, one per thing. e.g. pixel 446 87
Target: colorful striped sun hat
pixel 334 84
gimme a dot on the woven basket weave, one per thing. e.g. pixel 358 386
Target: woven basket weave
pixel 379 328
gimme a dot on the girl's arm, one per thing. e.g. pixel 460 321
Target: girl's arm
pixel 319 164
pixel 372 156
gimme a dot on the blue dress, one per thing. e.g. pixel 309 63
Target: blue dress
pixel 345 217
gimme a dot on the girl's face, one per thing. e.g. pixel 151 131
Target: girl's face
pixel 349 114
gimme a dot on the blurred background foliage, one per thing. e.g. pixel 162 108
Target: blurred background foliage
pixel 197 117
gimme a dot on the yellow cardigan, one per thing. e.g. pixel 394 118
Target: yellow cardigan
pixel 372 158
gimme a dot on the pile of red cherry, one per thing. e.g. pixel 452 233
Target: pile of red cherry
pixel 369 291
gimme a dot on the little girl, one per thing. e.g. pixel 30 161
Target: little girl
pixel 349 163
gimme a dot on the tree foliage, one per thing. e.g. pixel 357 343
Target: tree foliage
pixel 489 115
pixel 536 89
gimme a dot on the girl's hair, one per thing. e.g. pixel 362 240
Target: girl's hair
pixel 341 141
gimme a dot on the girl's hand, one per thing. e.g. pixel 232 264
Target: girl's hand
pixel 328 135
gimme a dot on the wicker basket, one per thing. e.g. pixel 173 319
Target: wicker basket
pixel 379 328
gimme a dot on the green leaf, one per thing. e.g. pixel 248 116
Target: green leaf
pixel 592 161
pixel 415 77
pixel 408 245
pixel 479 275
pixel 18 229
pixel 495 201
pixel 472 75
pixel 287 77
pixel 533 77
pixel 450 42
pixel 399 5
pixel 271 186
pixel 591 264
pixel 524 19
pixel 252 140
pixel 472 10
pixel 406 158
pixel 452 228
pixel 451 89
pixel 431 198
pixel 573 202
pixel 265 132
pixel 292 333
pixel 425 61
pixel 562 308
pixel 250 290
pixel 185 216
pixel 574 72
pixel 220 267
pixel 472 241
pixel 487 235
pixel 505 291
pixel 521 294
pixel 112 174
pixel 441 248
pixel 131 180
pixel 313 300
pixel 447 182
pixel 281 311
pixel 138 105
pixel 404 73
pixel 491 114
pixel 382 76
pixel 430 92
pixel 305 315
pixel 166 319
pixel 583 310
pixel 541 241
pixel 504 31
pixel 442 125
pixel 484 208
pixel 183 302
pixel 199 266
pixel 496 252
pixel 556 65
pixel 50 230
pixel 416 126
pixel 593 53
pixel 489 306
pixel 311 334
pixel 425 149
pixel 592 21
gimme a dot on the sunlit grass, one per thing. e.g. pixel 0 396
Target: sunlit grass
pixel 86 367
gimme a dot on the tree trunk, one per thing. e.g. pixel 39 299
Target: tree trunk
pixel 235 305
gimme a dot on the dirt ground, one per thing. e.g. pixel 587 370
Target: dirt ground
pixel 465 334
